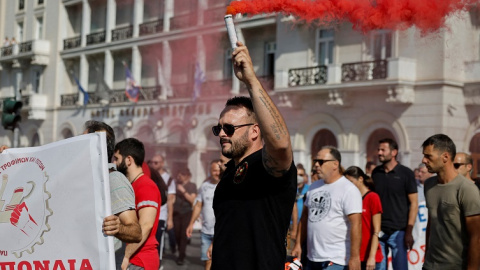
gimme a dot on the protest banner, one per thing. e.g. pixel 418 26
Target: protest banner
pixel 53 199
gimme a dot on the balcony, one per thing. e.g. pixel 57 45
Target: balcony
pixel 364 71
pixel 71 43
pixel 96 38
pixel 307 76
pixel 216 88
pixel 183 21
pixel 115 96
pixel 148 28
pixel 122 33
pixel 214 14
pixel 35 52
pixel 8 50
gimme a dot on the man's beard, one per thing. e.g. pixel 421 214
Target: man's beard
pixel 238 148
pixel 122 167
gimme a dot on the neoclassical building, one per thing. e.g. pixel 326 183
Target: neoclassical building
pixel 334 86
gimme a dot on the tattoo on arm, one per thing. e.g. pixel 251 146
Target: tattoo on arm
pixel 278 128
pixel 271 165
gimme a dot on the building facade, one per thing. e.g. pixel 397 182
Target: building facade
pixel 334 86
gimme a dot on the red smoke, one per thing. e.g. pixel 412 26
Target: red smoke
pixel 427 15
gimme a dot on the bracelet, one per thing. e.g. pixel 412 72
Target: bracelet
pixel 377 234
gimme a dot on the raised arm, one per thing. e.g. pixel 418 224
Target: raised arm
pixel 277 151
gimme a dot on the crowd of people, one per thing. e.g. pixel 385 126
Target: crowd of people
pixel 336 219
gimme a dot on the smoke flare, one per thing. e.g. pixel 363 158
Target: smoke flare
pixel 365 15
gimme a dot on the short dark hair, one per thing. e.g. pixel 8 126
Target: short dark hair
pixel 392 144
pixel 242 101
pixel 334 152
pixel 442 143
pixel 356 172
pixel 93 126
pixel 132 147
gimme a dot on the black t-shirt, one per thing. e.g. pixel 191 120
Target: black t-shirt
pixel 252 215
pixel 393 188
pixel 182 205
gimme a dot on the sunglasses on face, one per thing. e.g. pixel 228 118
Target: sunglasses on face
pixel 457 165
pixel 321 161
pixel 227 128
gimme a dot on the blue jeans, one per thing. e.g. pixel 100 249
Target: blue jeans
pixel 396 243
pixel 324 266
pixel 207 240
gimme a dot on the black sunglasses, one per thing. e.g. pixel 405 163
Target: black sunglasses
pixel 228 128
pixel 321 161
pixel 457 165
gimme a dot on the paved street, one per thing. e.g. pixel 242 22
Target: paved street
pixel 192 261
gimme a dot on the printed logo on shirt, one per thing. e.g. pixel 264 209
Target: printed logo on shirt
pixel 319 205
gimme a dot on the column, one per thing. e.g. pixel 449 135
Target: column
pixel 136 64
pixel 83 72
pixel 110 20
pixel 137 16
pixel 86 17
pixel 167 15
pixel 167 66
pixel 108 69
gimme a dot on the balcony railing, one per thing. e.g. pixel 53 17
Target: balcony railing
pixel 214 14
pixel 115 96
pixel 149 28
pixel 216 88
pixel 7 51
pixel 25 47
pixel 183 21
pixel 122 33
pixel 307 76
pixel 69 99
pixel 71 43
pixel 96 38
pixel 364 71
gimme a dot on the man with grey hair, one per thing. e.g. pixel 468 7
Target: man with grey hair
pixel 423 175
pixel 331 218
pixel 463 164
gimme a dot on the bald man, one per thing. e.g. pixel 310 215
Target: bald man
pixel 463 164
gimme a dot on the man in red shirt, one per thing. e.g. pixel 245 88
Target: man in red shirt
pixel 129 156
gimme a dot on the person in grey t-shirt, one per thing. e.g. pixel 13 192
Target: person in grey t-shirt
pixel 203 205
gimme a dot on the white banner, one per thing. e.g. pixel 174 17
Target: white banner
pixel 53 199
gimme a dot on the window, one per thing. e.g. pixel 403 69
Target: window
pixel 269 68
pixel 325 43
pixel 40 2
pixel 19 33
pixel 382 44
pixel 39 31
pixel 21 5
pixel 36 80
pixel 228 68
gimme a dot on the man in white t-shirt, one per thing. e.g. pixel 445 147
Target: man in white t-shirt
pixel 331 218
pixel 203 204
pixel 166 211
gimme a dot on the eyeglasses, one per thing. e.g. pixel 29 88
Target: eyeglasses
pixel 227 128
pixel 457 165
pixel 321 161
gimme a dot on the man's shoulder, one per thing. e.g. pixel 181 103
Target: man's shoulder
pixel 118 178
